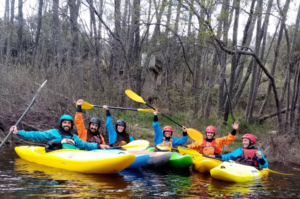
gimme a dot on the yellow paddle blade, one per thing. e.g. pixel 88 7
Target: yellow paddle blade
pixel 134 96
pixel 271 171
pixel 86 105
pixel 163 148
pixel 194 134
pixel 136 145
pixel 187 151
pixel 145 110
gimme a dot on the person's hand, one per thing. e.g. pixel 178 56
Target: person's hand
pixel 184 128
pixel 80 102
pixel 14 130
pixel 103 146
pixel 258 154
pixel 105 107
pixel 235 125
pixel 155 112
pixel 67 141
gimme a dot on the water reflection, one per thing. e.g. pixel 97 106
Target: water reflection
pixel 22 179
pixel 66 183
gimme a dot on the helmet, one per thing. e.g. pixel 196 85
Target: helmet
pixel 210 129
pixel 66 117
pixel 121 122
pixel 250 137
pixel 96 121
pixel 168 128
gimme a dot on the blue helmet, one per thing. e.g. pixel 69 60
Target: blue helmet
pixel 66 117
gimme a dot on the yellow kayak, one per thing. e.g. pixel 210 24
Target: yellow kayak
pixel 233 172
pixel 204 165
pixel 76 160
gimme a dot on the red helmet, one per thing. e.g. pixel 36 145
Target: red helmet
pixel 250 137
pixel 210 129
pixel 168 128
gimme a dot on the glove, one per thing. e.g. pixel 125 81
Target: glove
pixel 67 141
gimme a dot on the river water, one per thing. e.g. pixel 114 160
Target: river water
pixel 23 179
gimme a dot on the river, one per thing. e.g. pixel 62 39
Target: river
pixel 23 179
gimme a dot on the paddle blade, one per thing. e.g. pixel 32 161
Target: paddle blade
pixel 145 110
pixel 136 145
pixel 132 95
pixel 163 148
pixel 187 151
pixel 271 171
pixel 194 134
pixel 86 105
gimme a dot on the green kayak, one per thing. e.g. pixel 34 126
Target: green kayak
pixel 177 160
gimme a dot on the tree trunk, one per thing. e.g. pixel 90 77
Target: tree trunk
pixel 20 33
pixel 253 88
pixel 276 55
pixel 226 25
pixel 74 56
pixel 10 30
pixel 234 57
pixel 57 48
pixel 38 33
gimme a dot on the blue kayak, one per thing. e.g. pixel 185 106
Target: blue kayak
pixel 139 161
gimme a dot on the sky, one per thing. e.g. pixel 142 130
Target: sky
pixel 30 8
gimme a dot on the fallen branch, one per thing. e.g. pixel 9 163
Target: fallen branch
pixel 263 118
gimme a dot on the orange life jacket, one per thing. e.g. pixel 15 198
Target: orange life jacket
pixel 209 149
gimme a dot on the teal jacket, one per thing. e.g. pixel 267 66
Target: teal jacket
pixel 263 163
pixel 53 136
pixel 112 134
pixel 158 138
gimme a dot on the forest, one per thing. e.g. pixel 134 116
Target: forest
pixel 200 61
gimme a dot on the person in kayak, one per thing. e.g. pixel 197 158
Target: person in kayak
pixel 166 135
pixel 211 145
pixel 118 137
pixel 248 154
pixel 63 137
pixel 92 134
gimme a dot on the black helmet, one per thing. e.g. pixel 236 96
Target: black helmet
pixel 121 122
pixel 96 121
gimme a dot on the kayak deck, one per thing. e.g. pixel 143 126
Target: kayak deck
pixel 234 172
pixel 76 160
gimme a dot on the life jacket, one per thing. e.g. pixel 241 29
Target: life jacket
pixel 248 157
pixel 165 144
pixel 52 145
pixel 209 149
pixel 122 139
pixel 96 138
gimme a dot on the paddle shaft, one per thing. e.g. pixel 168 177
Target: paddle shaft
pixel 24 113
pixel 120 108
pixel 164 115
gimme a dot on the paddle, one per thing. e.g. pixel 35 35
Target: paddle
pixel 136 145
pixel 88 106
pixel 194 134
pixel 195 153
pixel 24 113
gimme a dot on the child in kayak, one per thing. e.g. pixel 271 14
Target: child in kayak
pixel 211 145
pixel 92 133
pixel 164 137
pixel 57 138
pixel 248 154
pixel 118 137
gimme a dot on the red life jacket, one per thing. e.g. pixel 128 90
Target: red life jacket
pixel 210 150
pixel 248 157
